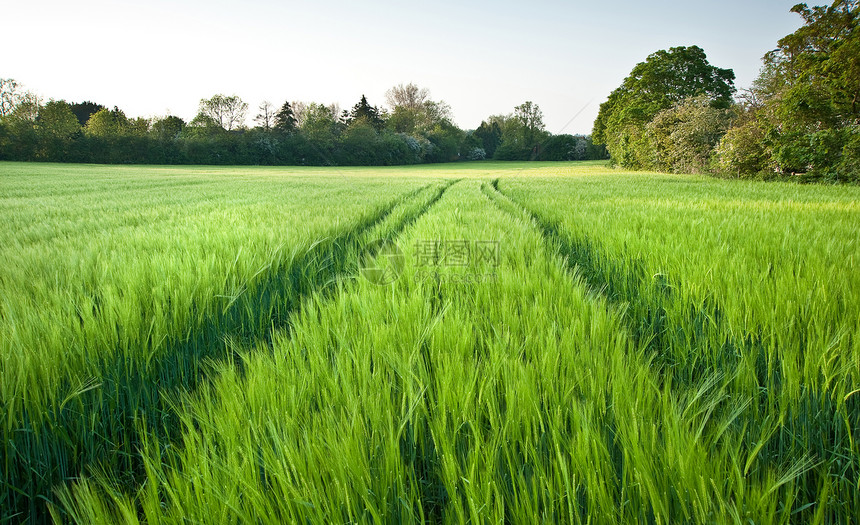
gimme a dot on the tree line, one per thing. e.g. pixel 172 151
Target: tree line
pixel 412 129
pixel 676 112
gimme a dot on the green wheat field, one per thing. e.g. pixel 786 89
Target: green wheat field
pixel 529 343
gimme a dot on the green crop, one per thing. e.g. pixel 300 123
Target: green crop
pixel 562 343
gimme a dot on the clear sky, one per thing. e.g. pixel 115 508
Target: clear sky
pixel 156 57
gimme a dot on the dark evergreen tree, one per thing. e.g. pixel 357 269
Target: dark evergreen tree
pixel 84 110
pixel 285 121
pixel 363 110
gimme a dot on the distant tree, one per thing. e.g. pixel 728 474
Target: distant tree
pixel 20 139
pixel 413 112
pixel 664 79
pixel 56 119
pixel 202 125
pixel 27 109
pixel 472 147
pixel 360 143
pixel 490 135
pixel 337 112
pixel 139 126
pixel 365 112
pixel 168 128
pixel 84 110
pixel 408 96
pixel 522 133
pixel 447 140
pixel 285 120
pixel 104 123
pixel 56 127
pixel 10 96
pixel 530 119
pixel 266 116
pixel 320 124
pixel 300 109
pixel 227 111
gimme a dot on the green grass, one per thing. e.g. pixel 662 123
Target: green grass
pixel 197 345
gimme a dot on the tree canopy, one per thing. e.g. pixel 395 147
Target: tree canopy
pixel 228 112
pixel 802 114
pixel 664 79
pixel 285 120
pixel 417 129
pixel 370 114
pixel 106 122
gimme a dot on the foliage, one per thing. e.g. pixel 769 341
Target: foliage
pixel 57 120
pixel 84 110
pixel 664 79
pixel 413 112
pixel 285 121
pixel 320 125
pixel 266 116
pixel 55 127
pixel 522 133
pixel 363 111
pixel 803 110
pixel 570 147
pixel 10 96
pixel 418 130
pixel 106 122
pixel 490 135
pixel 684 136
pixel 168 128
pixel 228 112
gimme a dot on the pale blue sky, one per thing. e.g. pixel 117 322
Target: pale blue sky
pixel 159 56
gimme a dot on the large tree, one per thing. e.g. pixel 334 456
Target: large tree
pixel 802 115
pixel 363 111
pixel 266 116
pixel 408 96
pixel 320 123
pixel 168 128
pixel 10 96
pixel 56 127
pixel 57 120
pixel 285 120
pixel 664 79
pixel 529 119
pixel 107 122
pixel 490 134
pixel 413 112
pixel 522 133
pixel 227 111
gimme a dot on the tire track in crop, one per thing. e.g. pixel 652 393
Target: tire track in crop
pixel 817 415
pixel 100 425
pixel 619 281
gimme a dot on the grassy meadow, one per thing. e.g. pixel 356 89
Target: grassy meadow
pixel 557 342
